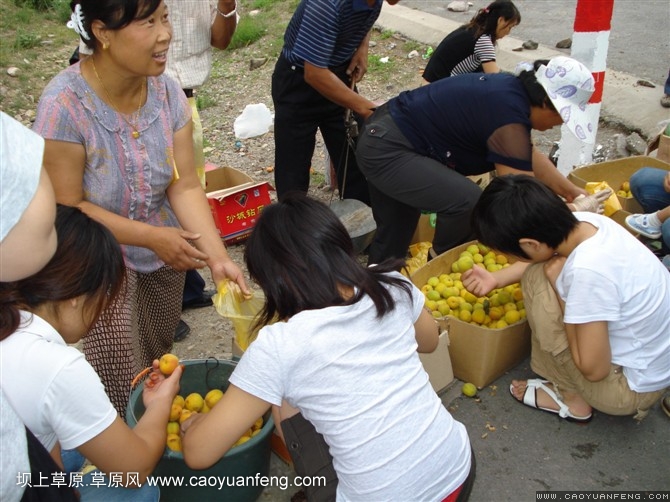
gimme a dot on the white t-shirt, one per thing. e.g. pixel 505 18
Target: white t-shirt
pixel 613 277
pixel 53 389
pixel 359 380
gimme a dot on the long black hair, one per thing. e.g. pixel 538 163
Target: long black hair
pixel 301 255
pixel 485 22
pixel 88 262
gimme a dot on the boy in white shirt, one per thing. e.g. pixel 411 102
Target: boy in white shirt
pixel 596 298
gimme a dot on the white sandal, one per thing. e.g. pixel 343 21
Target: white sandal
pixel 530 399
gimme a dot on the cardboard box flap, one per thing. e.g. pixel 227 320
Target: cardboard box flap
pixel 225 192
pixel 225 177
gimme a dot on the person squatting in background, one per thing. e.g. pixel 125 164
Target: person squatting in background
pixel 119 145
pixel 472 47
pixel 651 188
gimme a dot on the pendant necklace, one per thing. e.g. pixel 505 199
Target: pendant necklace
pixel 135 133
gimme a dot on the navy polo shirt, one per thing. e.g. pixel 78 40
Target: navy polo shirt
pixel 453 120
pixel 326 33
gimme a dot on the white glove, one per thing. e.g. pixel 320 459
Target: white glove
pixel 593 203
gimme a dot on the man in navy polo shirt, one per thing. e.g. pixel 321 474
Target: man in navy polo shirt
pixel 325 47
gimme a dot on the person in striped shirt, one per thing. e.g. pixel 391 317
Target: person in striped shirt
pixel 325 51
pixel 471 48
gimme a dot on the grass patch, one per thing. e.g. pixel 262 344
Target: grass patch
pixel 40 5
pixel 386 34
pixel 249 30
pixel 26 40
pixel 412 45
pixel 204 101
pixel 317 178
pixel 377 67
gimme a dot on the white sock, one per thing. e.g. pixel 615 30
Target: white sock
pixel 653 220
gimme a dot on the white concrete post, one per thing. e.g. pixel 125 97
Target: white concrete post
pixel 590 42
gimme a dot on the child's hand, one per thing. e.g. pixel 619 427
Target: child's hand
pixel 478 281
pixel 159 387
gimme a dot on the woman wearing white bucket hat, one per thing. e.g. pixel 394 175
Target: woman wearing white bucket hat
pixel 417 149
pixel 569 85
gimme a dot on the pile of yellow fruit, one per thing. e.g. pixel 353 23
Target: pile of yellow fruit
pixel 446 295
pixel 183 408
pixel 624 190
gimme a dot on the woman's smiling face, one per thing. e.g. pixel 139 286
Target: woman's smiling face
pixel 141 47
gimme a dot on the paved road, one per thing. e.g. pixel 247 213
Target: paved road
pixel 639 38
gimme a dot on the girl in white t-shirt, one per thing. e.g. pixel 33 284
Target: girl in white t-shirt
pixel 343 352
pixel 55 392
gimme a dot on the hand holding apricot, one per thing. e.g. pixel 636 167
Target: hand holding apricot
pixel 168 363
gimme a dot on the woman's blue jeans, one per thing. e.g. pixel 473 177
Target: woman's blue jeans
pixel 647 187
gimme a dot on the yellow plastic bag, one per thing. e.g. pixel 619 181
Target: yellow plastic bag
pixel 419 257
pixel 231 304
pixel 612 204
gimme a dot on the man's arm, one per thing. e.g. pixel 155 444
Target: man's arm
pixel 332 88
pixel 223 27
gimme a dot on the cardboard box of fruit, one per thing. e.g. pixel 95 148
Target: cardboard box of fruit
pixel 489 336
pixel 617 173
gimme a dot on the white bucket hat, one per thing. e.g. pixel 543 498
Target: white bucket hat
pixel 569 85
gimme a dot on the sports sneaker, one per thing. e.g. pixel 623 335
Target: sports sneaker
pixel 640 223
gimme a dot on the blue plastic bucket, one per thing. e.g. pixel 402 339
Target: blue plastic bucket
pixel 250 460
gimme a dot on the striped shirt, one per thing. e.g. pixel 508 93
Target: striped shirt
pixel 459 53
pixel 326 33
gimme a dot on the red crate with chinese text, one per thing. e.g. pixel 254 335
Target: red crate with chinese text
pixel 236 201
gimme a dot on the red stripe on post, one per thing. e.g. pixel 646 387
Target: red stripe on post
pixel 593 15
pixel 597 95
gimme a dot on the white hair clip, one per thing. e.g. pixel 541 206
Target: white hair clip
pixel 76 22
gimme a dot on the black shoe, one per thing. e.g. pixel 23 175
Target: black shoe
pixel 204 300
pixel 182 331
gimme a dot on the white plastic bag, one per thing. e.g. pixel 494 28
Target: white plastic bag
pixel 254 121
